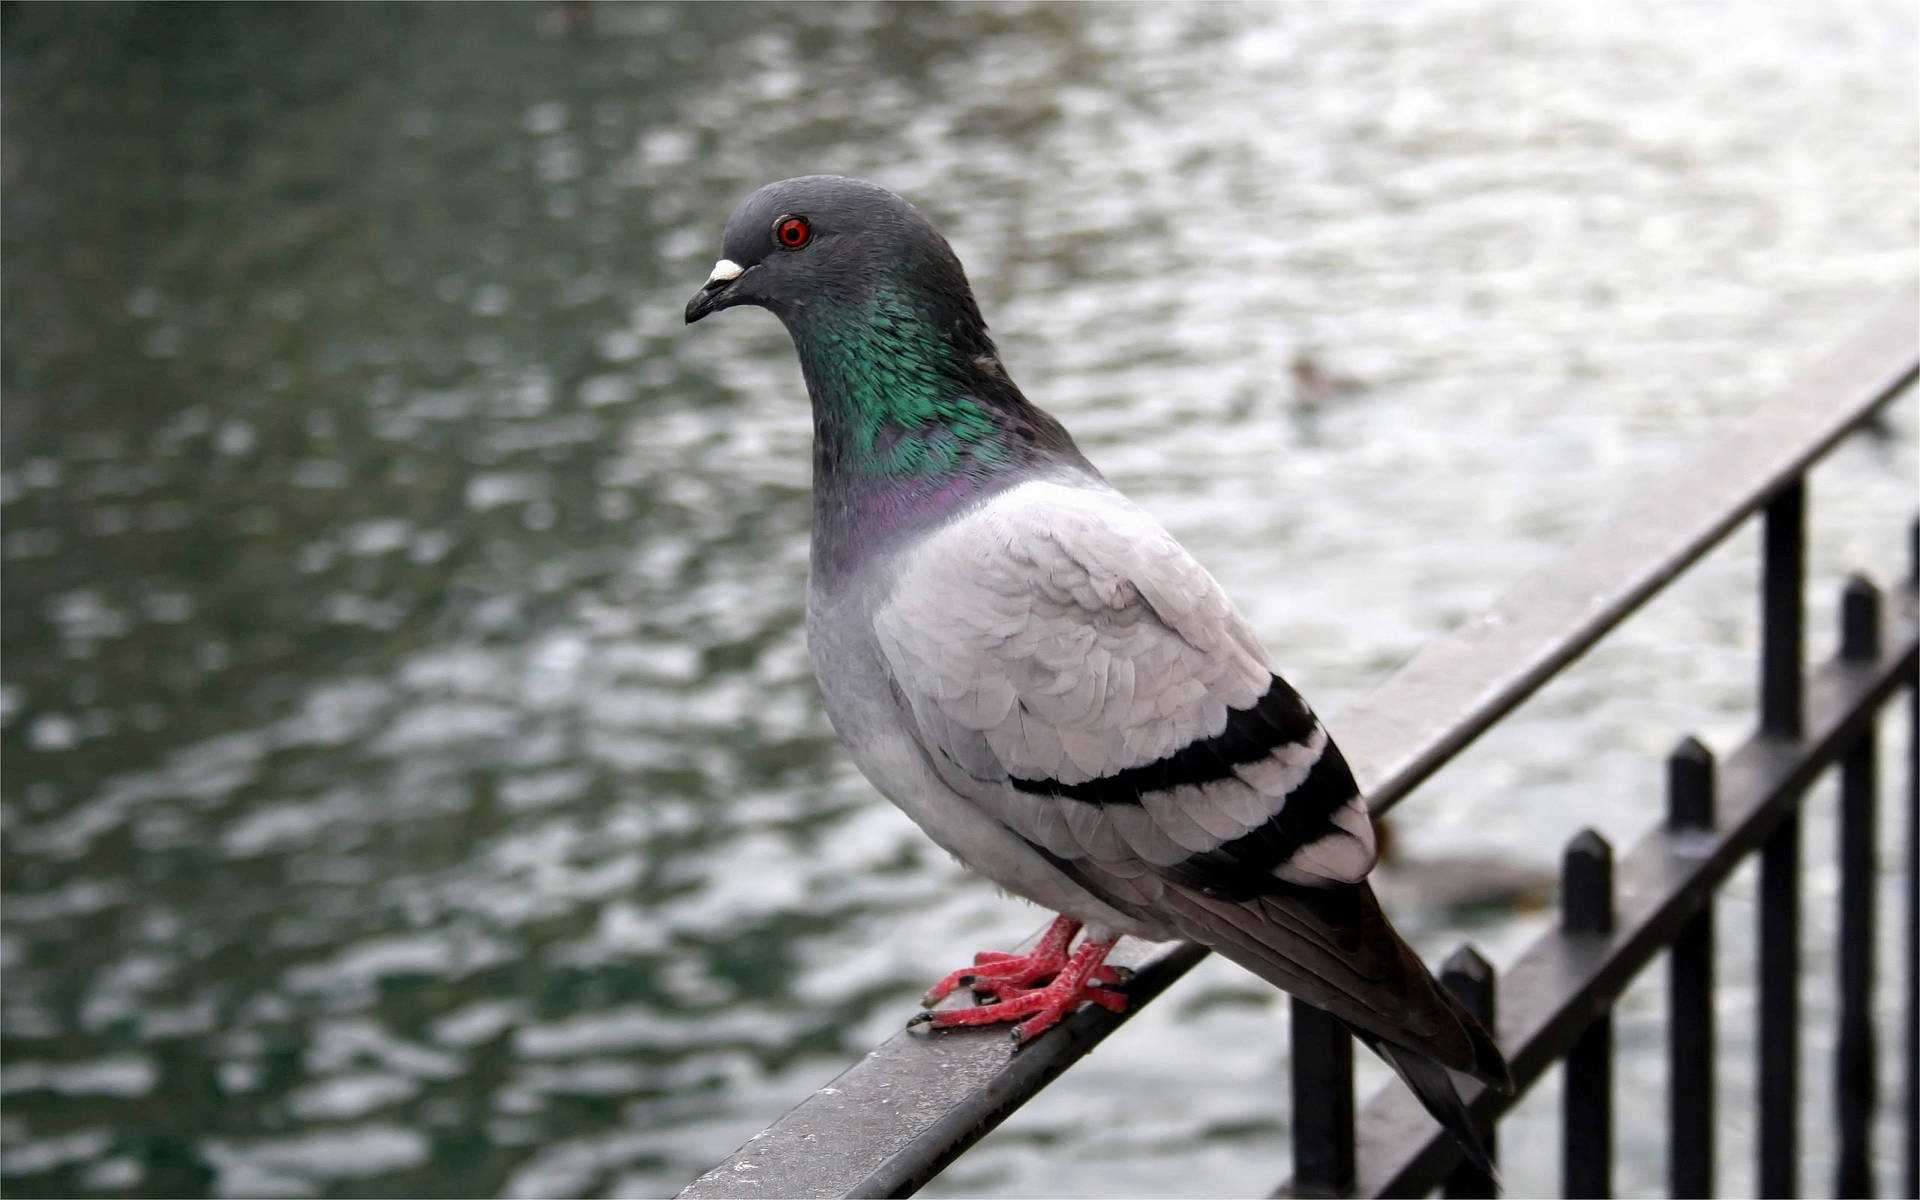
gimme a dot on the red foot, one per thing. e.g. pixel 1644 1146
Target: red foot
pixel 1005 977
pixel 998 974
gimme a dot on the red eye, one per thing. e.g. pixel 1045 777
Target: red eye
pixel 792 232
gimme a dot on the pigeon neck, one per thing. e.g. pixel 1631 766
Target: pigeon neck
pixel 912 418
pixel 898 393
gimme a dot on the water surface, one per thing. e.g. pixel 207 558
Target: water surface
pixel 414 783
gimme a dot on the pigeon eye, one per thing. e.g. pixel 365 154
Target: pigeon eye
pixel 792 232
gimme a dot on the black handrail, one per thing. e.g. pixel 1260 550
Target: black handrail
pixel 895 1119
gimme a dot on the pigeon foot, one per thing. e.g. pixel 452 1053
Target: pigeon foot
pixel 1077 979
pixel 995 974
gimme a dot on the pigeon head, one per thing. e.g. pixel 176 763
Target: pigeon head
pixel 913 414
pixel 823 247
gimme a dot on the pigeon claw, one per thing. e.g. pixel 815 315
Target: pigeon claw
pixel 995 973
pixel 1078 980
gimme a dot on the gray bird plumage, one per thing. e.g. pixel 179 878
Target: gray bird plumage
pixel 1035 671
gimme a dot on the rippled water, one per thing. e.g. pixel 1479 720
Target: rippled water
pixel 413 779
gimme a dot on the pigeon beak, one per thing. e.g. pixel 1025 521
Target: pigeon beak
pixel 712 295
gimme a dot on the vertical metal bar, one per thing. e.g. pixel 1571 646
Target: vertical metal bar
pixel 1783 614
pixel 1690 805
pixel 1912 1122
pixel 1586 909
pixel 1322 1104
pixel 1782 619
pixel 1470 977
pixel 1779 1009
pixel 1854 1082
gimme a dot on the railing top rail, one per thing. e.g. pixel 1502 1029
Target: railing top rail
pixel 894 1119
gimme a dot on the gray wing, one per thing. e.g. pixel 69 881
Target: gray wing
pixel 1070 668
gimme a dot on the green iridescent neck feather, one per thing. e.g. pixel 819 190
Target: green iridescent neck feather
pixel 897 395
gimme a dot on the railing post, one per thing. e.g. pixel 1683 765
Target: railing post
pixel 1471 978
pixel 1782 621
pixel 1783 616
pixel 1912 1123
pixel 1690 805
pixel 1854 1083
pixel 1323 1146
pixel 1586 909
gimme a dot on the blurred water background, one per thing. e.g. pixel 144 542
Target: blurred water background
pixel 414 783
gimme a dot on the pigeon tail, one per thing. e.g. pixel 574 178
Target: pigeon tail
pixel 1433 1087
pixel 1482 1058
pixel 1334 948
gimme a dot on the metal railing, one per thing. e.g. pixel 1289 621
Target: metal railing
pixel 900 1115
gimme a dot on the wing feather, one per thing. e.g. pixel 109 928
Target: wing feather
pixel 1097 693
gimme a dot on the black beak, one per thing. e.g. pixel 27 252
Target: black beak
pixel 714 295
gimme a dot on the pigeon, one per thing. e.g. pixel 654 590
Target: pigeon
pixel 1043 679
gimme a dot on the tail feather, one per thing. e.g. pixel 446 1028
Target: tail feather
pixel 1433 1087
pixel 1334 948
